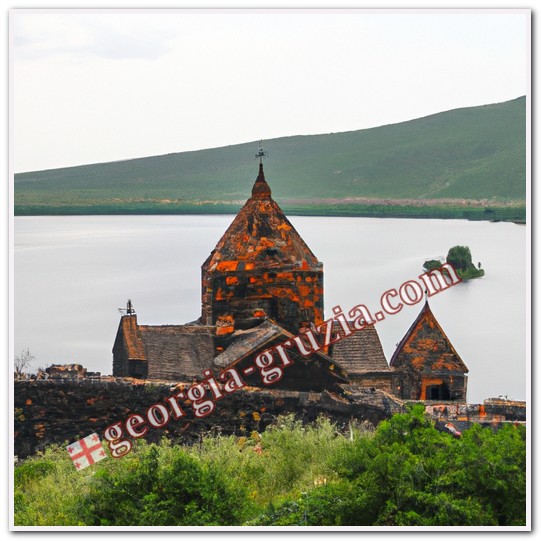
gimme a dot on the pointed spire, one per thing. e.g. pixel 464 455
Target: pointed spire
pixel 261 189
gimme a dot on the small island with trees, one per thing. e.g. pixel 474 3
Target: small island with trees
pixel 461 260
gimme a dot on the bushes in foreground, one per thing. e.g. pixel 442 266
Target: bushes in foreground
pixel 409 474
pixel 404 473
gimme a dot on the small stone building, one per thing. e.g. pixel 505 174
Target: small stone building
pixel 164 352
pixel 427 365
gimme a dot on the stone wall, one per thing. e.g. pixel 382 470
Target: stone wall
pixel 382 381
pixel 48 411
pixel 286 297
pixel 61 412
pixel 490 412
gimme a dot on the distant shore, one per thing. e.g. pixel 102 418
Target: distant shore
pixel 353 207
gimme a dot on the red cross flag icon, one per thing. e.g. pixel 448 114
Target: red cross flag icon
pixel 86 451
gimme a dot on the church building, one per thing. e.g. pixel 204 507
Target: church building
pixel 426 364
pixel 262 265
pixel 263 286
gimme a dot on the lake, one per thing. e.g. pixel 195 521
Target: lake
pixel 72 273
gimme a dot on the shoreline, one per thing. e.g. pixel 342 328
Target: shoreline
pixel 513 214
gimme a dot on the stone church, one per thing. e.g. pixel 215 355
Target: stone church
pixel 261 287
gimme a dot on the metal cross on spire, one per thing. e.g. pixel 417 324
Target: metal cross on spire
pixel 261 153
pixel 129 309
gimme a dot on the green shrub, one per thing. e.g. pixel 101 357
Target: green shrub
pixel 328 505
pixel 405 473
pixel 153 485
pixel 164 486
pixel 47 490
pixel 286 459
pixel 431 264
pixel 410 474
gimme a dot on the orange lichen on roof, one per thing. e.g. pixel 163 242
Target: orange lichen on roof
pixel 445 362
pixel 225 320
pixel 428 344
pixel 261 189
pixel 426 347
pixel 261 229
pixel 132 338
pixel 418 362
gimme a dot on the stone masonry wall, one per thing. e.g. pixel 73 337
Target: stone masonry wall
pixel 61 412
pixel 48 411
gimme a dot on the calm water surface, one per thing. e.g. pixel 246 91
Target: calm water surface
pixel 72 273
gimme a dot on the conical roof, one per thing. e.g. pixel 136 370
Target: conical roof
pixel 261 235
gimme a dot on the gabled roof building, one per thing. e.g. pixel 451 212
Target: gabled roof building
pixel 426 363
pixel 361 356
pixel 262 286
pixel 314 373
pixel 165 352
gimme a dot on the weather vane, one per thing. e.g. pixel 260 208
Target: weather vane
pixel 129 309
pixel 261 153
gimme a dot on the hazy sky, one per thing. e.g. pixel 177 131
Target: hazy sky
pixel 91 87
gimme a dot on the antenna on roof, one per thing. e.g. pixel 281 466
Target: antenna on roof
pixel 261 153
pixel 129 310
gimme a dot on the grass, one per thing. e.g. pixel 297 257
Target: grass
pixel 476 153
pixel 49 491
pixel 403 473
pixel 516 213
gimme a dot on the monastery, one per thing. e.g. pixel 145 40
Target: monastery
pixel 262 286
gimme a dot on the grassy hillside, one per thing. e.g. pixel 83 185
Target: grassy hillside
pixel 473 153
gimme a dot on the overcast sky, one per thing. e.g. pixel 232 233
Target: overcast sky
pixel 91 87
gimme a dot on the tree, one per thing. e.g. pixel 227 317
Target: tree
pixel 432 264
pixel 460 258
pixel 23 362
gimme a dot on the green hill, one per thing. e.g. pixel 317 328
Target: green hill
pixel 475 153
